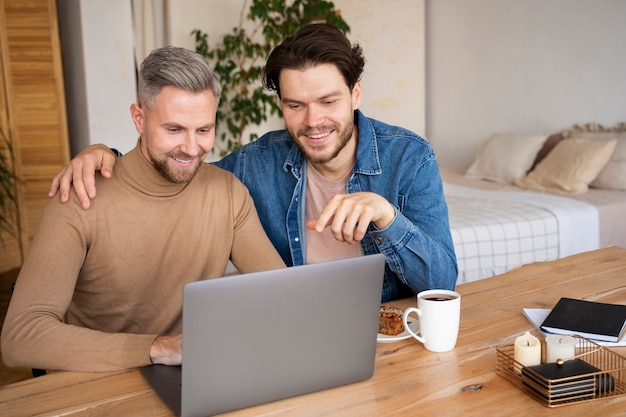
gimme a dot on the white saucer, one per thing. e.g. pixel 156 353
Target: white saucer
pixel 413 324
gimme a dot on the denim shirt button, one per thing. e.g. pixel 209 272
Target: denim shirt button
pixel 297 239
pixel 379 239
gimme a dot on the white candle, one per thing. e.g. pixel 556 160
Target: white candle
pixel 526 351
pixel 559 347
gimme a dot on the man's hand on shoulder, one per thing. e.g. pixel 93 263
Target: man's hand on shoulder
pixel 81 171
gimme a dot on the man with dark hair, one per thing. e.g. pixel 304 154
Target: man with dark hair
pixel 334 184
pixel 101 289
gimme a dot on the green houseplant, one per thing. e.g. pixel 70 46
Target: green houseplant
pixel 8 190
pixel 239 57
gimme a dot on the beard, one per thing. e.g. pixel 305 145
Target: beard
pixel 344 138
pixel 175 175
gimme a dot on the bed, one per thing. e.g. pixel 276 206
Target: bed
pixel 537 197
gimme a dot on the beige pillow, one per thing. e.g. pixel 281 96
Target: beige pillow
pixel 506 156
pixel 570 167
pixel 613 175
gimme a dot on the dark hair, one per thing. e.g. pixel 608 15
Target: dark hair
pixel 176 67
pixel 311 45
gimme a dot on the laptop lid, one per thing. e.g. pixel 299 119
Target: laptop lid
pixel 254 338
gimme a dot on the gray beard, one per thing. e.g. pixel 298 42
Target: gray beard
pixel 178 176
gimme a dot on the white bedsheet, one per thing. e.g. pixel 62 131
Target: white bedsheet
pixel 505 229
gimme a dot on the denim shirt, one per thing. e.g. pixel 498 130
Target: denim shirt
pixel 392 162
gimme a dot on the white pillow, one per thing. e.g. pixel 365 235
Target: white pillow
pixel 506 156
pixel 613 175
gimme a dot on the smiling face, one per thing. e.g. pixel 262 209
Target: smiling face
pixel 177 131
pixel 318 109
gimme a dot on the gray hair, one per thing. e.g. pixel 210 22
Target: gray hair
pixel 175 67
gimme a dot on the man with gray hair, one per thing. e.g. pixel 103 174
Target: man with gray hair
pixel 101 289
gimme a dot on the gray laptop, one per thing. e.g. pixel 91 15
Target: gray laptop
pixel 254 338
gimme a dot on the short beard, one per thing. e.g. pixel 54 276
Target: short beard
pixel 344 140
pixel 179 176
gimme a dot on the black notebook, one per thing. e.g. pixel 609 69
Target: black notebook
pixel 593 320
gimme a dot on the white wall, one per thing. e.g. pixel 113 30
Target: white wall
pixel 510 65
pixel 98 64
pixel 392 34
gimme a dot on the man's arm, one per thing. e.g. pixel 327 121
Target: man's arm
pixel 37 332
pixel 81 171
pixel 417 243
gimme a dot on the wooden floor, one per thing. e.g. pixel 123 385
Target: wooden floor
pixel 9 375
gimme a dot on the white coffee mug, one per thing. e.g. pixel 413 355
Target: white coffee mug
pixel 439 313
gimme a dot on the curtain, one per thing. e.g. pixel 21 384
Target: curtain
pixel 149 27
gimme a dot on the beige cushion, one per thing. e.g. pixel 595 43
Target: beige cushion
pixel 613 175
pixel 506 156
pixel 571 166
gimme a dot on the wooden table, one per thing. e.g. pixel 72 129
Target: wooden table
pixel 408 380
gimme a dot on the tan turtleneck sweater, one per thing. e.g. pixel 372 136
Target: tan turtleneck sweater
pixel 98 285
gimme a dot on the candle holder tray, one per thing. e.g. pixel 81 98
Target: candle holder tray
pixel 603 374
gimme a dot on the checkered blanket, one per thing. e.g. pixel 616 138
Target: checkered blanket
pixel 494 232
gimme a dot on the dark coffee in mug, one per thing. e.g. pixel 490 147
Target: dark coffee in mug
pixel 439 313
pixel 439 297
